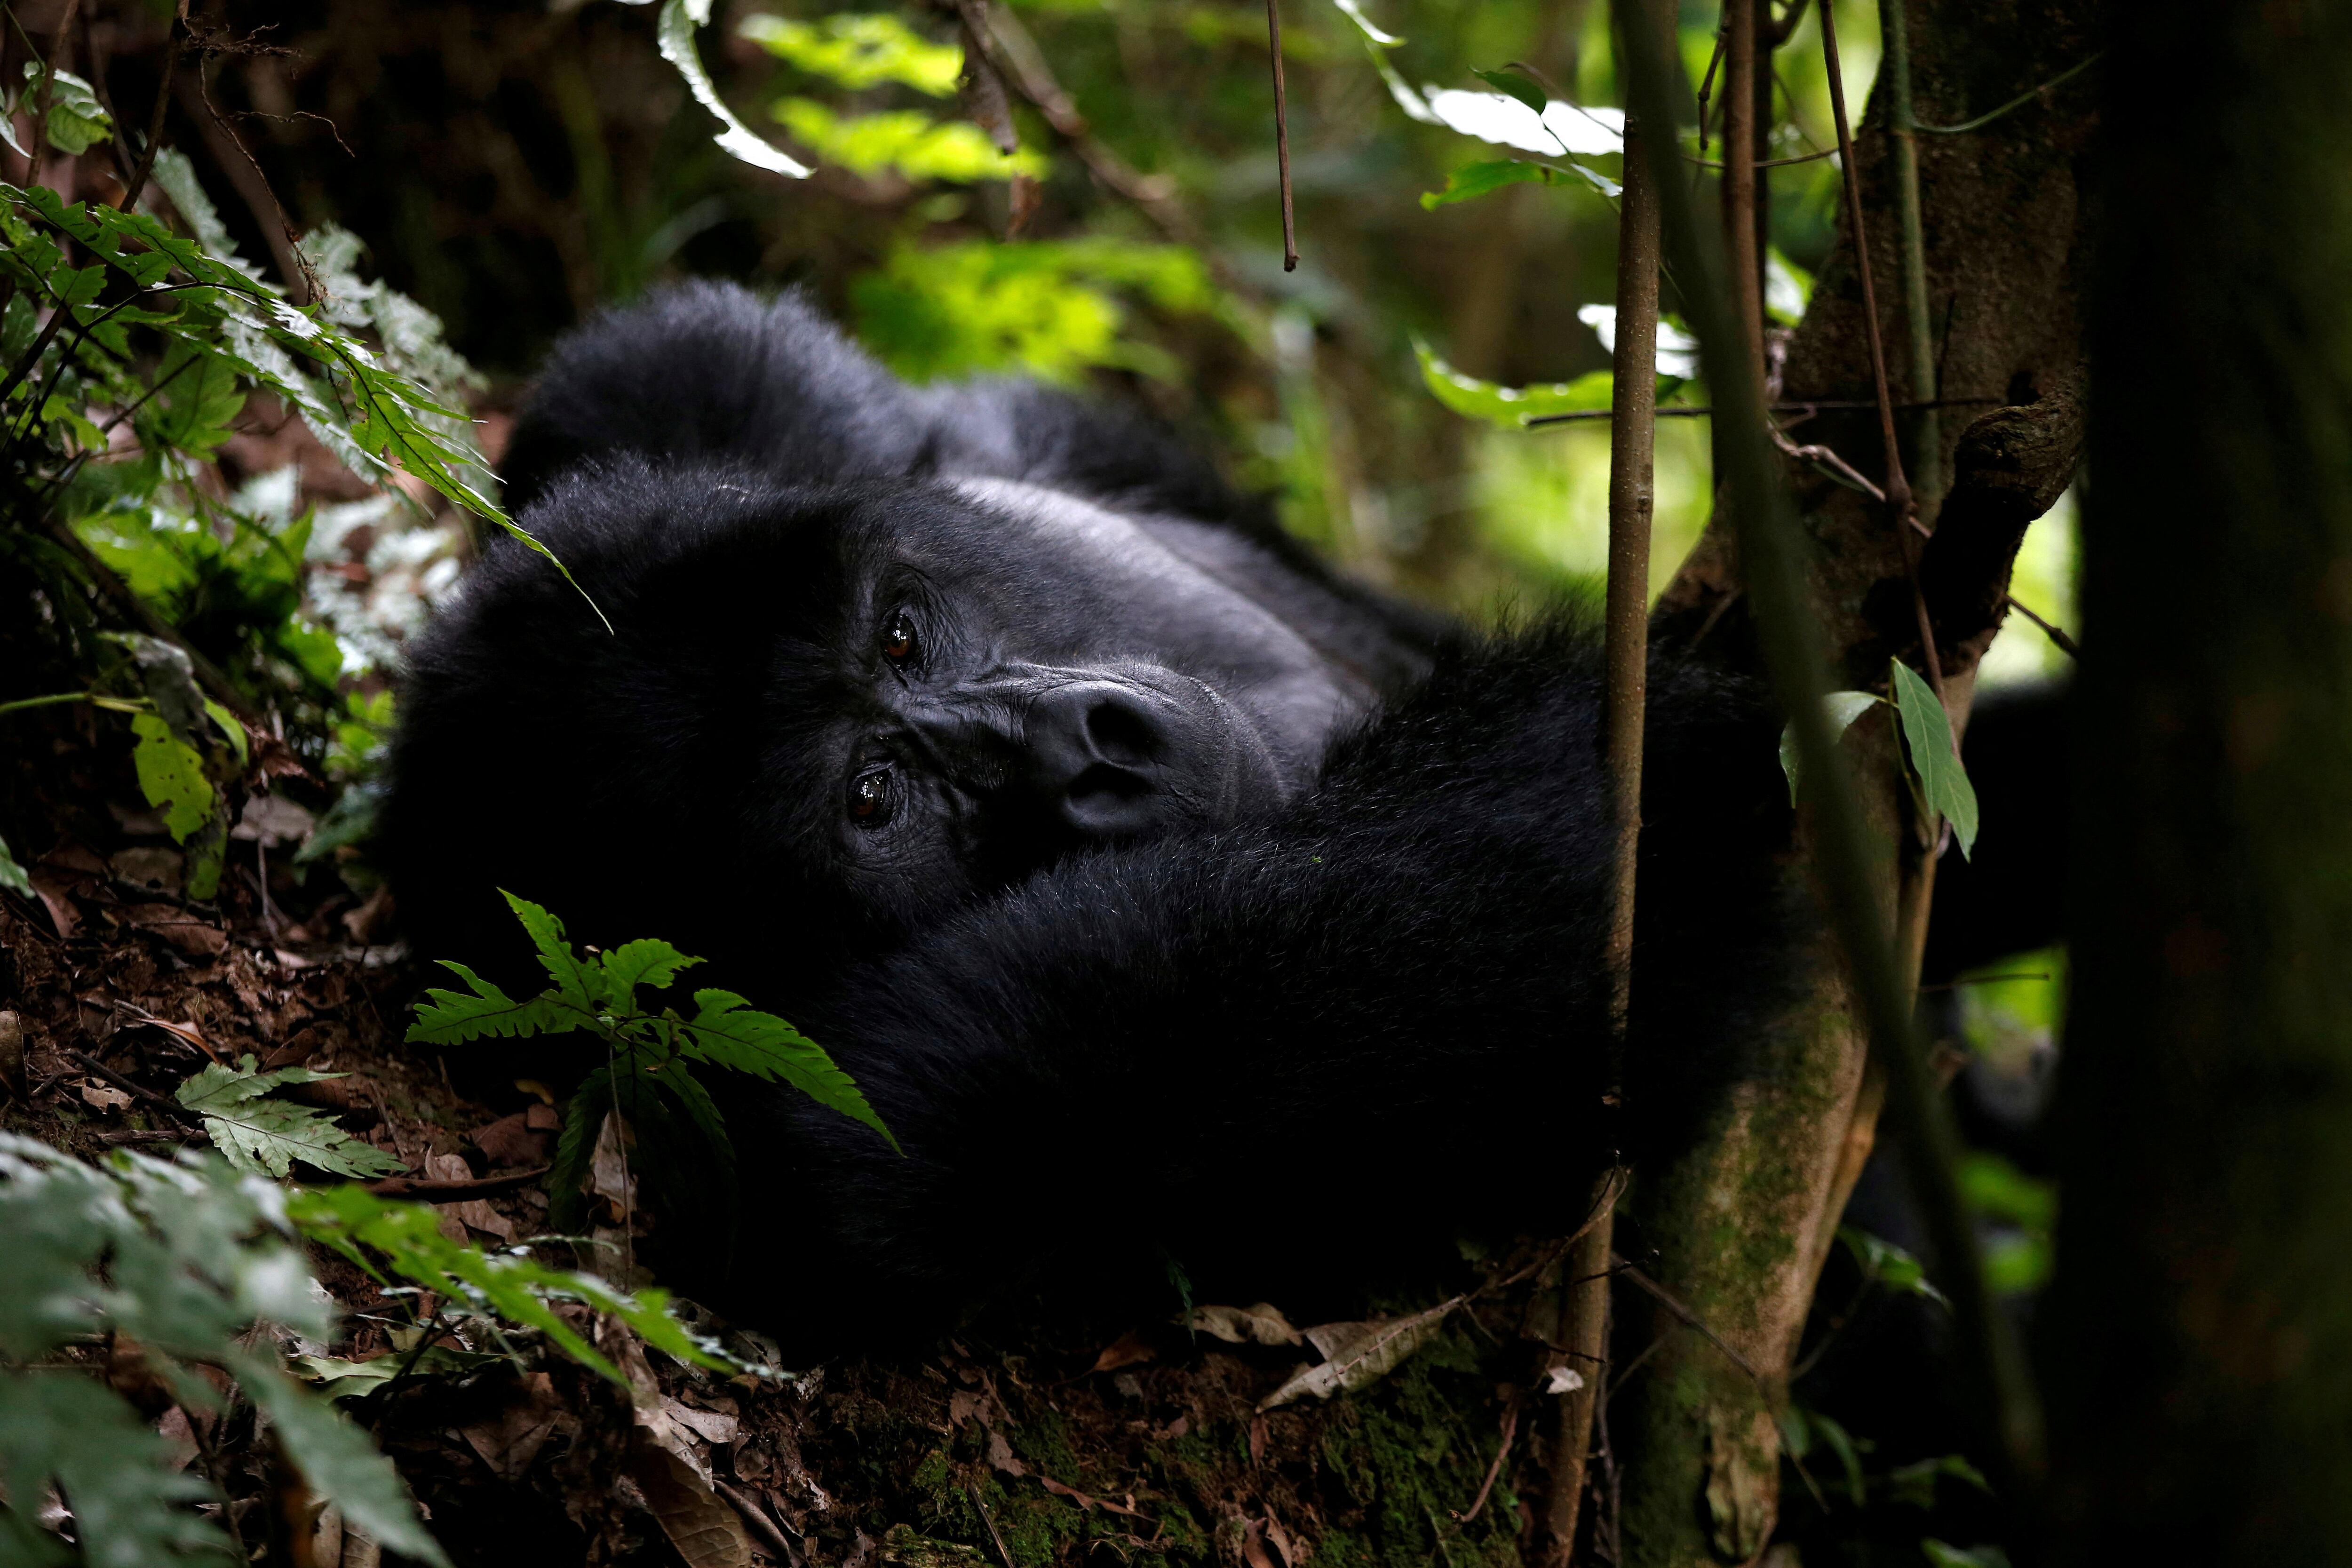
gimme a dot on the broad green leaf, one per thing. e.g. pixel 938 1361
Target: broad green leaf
pixel 673 35
pixel 1840 709
pixel 1517 85
pixel 269 1135
pixel 131 1507
pixel 1935 765
pixel 1889 1264
pixel 575 983
pixel 12 875
pixel 726 1032
pixel 172 776
pixel 859 51
pixel 78 122
pixel 1508 406
pixel 1377 42
pixel 448 1017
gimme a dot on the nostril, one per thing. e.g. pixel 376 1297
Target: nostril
pixel 1104 784
pixel 1121 735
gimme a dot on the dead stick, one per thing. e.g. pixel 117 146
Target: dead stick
pixel 438 1192
pixel 1282 136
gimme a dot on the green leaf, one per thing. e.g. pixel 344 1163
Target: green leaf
pixel 575 1148
pixel 12 875
pixel 574 980
pixel 674 35
pixel 1995 1187
pixel 1517 85
pixel 726 1032
pixel 338 1460
pixel 172 776
pixel 1889 1264
pixel 342 1380
pixel 1507 406
pixel 1914 1485
pixel 1935 765
pixel 382 1234
pixel 1840 709
pixel 270 1135
pixel 77 120
pixel 1474 180
pixel 132 1509
pixel 1942 1555
pixel 859 51
pixel 644 961
pixel 449 1017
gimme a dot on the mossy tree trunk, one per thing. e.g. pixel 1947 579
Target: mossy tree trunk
pixel 1738 1229
pixel 2201 1322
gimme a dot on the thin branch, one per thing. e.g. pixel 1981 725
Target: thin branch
pixel 1502 1452
pixel 1701 410
pixel 1282 136
pixel 1665 1298
pixel 175 32
pixel 1895 70
pixel 1767 162
pixel 2020 101
pixel 2055 633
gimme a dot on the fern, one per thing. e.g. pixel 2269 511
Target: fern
pixel 186 1261
pixel 270 1135
pixel 646 1078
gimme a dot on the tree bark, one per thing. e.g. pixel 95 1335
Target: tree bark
pixel 1739 1226
pixel 2199 1349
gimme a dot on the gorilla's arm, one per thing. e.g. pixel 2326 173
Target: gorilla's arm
pixel 1274 1048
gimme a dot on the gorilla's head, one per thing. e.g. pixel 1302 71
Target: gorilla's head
pixel 826 716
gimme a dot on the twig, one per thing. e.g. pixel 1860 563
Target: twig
pixel 1665 1298
pixel 1282 137
pixel 2020 101
pixel 1737 187
pixel 457 1191
pixel 1772 560
pixel 171 1108
pixel 1823 455
pixel 2055 633
pixel 971 1488
pixel 1502 1452
pixel 1700 411
pixel 244 171
pixel 174 31
pixel 756 1518
pixel 1767 163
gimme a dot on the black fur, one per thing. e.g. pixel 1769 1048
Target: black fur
pixel 1272 1042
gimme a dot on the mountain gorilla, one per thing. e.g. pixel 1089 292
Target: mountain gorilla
pixel 1170 898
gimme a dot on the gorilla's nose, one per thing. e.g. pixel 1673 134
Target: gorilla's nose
pixel 1101 751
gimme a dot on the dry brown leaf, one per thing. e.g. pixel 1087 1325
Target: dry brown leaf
pixel 1002 1458
pixel 149 865
pixel 1128 1349
pixel 1355 1355
pixel 1085 1502
pixel 1263 1324
pixel 99 1095
pixel 511 1141
pixel 707 1531
pixel 197 937
pixel 714 1427
pixel 511 1439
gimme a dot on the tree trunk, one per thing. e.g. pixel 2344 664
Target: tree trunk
pixel 1739 1226
pixel 2201 1323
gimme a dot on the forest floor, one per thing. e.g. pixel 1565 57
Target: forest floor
pixel 1020 1451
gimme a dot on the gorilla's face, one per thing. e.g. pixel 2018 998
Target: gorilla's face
pixel 1022 673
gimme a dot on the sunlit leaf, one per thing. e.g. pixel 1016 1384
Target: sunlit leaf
pixel 171 775
pixel 859 51
pixel 906 143
pixel 675 37
pixel 269 1136
pixel 1508 406
pixel 1840 709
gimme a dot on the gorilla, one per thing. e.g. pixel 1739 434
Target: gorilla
pixel 1176 902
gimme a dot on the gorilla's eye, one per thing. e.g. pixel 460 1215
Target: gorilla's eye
pixel 899 638
pixel 869 798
